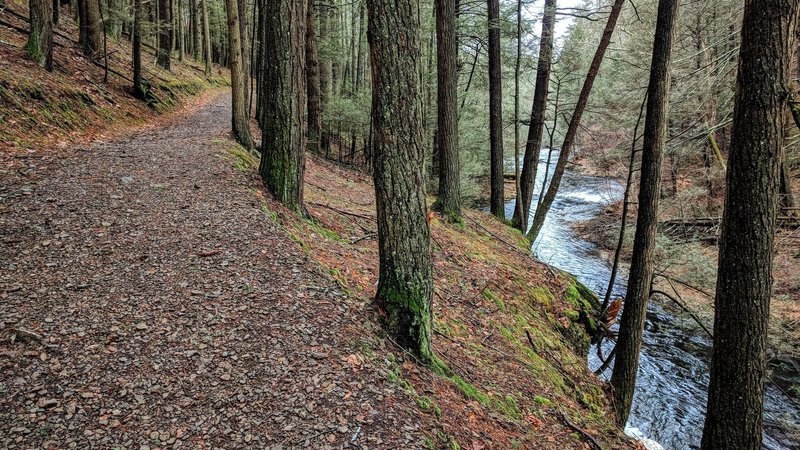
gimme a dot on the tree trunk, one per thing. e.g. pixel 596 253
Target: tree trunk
pixel 325 75
pixel 497 203
pixel 312 73
pixel 56 5
pixel 574 123
pixel 283 94
pixel 164 32
pixel 448 201
pixel 517 63
pixel 206 37
pixel 40 38
pixel 239 119
pixel 405 284
pixel 90 33
pixel 623 378
pixel 744 276
pixel 533 145
pixel 138 89
pixel 244 43
pixel 181 31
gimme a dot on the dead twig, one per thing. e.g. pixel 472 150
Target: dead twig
pixel 580 431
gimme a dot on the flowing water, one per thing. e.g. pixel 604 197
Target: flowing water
pixel 669 403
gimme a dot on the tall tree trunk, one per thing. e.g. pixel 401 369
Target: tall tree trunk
pixel 56 5
pixel 312 74
pixel 244 43
pixel 197 36
pixel 206 37
pixel 744 275
pixel 138 89
pixel 533 145
pixel 497 202
pixel 164 32
pixel 90 32
pixel 517 63
pixel 283 94
pixel 40 37
pixel 623 378
pixel 574 123
pixel 181 31
pixel 449 196
pixel 239 118
pixel 325 75
pixel 405 284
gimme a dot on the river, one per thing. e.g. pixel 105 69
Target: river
pixel 669 403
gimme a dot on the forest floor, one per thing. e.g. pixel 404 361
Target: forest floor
pixel 153 296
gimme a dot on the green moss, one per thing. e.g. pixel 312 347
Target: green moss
pixel 488 294
pixel 544 401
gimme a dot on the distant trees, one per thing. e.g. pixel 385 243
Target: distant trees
pixel 497 195
pixel 449 196
pixel 138 89
pixel 744 280
pixel 405 283
pixel 40 38
pixel 283 94
pixel 313 82
pixel 623 378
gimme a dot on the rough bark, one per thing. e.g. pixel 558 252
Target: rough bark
pixel 574 123
pixel 448 201
pixel 206 37
pixel 744 277
pixel 533 145
pixel 181 30
pixel 283 93
pixel 405 286
pixel 497 196
pixel 325 75
pixel 197 33
pixel 90 32
pixel 239 118
pixel 313 81
pixel 244 43
pixel 40 37
pixel 138 89
pixel 631 329
pixel 164 33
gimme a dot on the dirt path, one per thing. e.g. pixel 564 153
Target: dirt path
pixel 169 310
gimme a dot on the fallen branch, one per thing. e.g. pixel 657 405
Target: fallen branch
pixel 207 253
pixel 347 213
pixel 580 431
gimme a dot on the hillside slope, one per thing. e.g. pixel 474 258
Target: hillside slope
pixel 54 109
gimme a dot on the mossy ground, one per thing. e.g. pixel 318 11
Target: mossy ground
pixel 509 334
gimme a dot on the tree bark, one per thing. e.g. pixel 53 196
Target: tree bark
pixel 90 33
pixel 312 73
pixel 181 30
pixel 244 43
pixel 138 89
pixel 206 37
pixel 631 329
pixel 239 118
pixel 574 123
pixel 497 201
pixel 744 275
pixel 448 201
pixel 164 32
pixel 533 146
pixel 405 284
pixel 283 94
pixel 40 37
